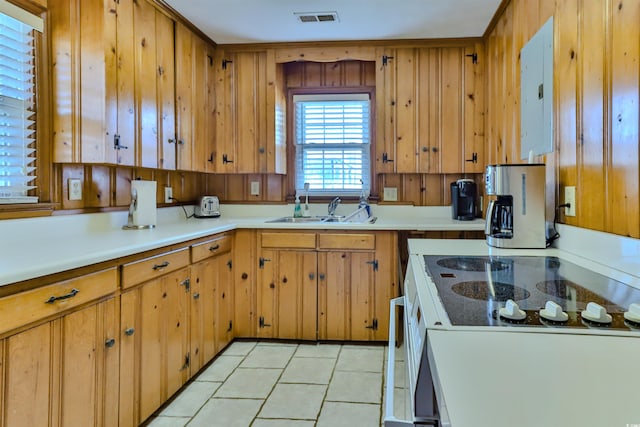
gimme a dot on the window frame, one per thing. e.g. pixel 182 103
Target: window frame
pixel 42 109
pixel 291 137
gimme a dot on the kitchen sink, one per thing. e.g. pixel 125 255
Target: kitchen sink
pixel 297 220
pixel 359 216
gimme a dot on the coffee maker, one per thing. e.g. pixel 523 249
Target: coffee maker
pixel 516 211
pixel 463 200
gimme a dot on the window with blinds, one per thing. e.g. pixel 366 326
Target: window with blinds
pixel 333 140
pixel 17 105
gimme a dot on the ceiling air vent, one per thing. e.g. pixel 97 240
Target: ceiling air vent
pixel 305 17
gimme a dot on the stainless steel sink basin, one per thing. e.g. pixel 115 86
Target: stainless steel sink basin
pixel 298 220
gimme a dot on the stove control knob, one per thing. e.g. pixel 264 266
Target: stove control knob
pixel 511 311
pixel 553 312
pixel 633 315
pixel 596 313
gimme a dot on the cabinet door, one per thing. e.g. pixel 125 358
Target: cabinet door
pixel 346 296
pixel 287 295
pixel 202 313
pixel 66 370
pixel 244 283
pixel 154 359
pixel 386 279
pixel 154 77
pixel 195 101
pixel 250 96
pixel 89 360
pixel 163 339
pixel 224 299
pixel 92 81
pixel 385 110
pixel 28 374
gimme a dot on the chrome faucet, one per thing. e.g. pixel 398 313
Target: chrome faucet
pixel 333 205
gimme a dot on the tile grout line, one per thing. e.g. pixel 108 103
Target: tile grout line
pixel 221 384
pixel 274 384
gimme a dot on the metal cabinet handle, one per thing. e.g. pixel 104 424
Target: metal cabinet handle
pixel 225 159
pixel 71 294
pixel 312 276
pixel 110 343
pixel 187 284
pixel 321 276
pixel 161 266
pixel 129 331
pixel 171 140
pixel 214 248
pixel 196 295
pixel 473 159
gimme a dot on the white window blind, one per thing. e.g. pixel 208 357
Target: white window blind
pixel 333 144
pixel 17 99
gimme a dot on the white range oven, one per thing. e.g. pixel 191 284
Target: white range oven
pixel 496 305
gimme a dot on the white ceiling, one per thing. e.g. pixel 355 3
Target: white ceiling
pixel 267 21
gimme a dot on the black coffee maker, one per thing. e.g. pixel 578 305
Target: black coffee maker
pixel 463 200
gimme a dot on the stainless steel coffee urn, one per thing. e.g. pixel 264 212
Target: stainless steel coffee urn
pixel 516 211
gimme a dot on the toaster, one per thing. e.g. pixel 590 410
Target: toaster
pixel 208 207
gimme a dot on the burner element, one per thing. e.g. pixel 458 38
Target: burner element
pixel 570 291
pixel 472 264
pixel 486 291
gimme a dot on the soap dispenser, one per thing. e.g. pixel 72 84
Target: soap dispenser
pixel 297 210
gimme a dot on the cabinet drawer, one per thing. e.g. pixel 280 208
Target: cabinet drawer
pixel 213 247
pixel 289 240
pixel 149 268
pixel 30 306
pixel 347 241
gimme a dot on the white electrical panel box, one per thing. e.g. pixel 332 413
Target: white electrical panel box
pixel 536 93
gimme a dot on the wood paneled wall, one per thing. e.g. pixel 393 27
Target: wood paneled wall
pixel 596 101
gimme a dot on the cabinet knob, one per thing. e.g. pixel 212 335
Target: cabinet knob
pixel 434 149
pixel 244 276
pixel 312 276
pixel 129 331
pixel 284 279
pixel 196 295
pixel 110 343
pixel 425 149
pixel 321 276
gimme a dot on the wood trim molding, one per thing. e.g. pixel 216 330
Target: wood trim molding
pixel 496 18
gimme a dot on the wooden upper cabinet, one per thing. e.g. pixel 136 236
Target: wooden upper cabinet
pixel 155 87
pixel 195 98
pixel 251 113
pixel 430 110
pixel 113 83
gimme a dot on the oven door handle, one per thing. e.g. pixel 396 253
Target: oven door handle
pixel 389 418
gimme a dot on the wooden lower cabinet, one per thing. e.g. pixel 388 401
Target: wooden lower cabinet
pixel 63 372
pixel 337 288
pixel 154 358
pixel 346 296
pixel 211 309
pixel 287 294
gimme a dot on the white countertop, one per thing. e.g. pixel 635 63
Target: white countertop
pixel 35 247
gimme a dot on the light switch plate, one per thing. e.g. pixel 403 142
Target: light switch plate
pixel 75 189
pixel 570 197
pixel 390 194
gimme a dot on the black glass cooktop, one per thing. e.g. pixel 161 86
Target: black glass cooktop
pixel 473 289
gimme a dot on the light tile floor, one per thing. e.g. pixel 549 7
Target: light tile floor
pixel 272 384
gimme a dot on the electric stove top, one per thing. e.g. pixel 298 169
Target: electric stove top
pixel 533 291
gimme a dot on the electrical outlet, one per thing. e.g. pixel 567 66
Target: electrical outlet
pixel 168 194
pixel 390 194
pixel 570 197
pixel 255 188
pixel 75 189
